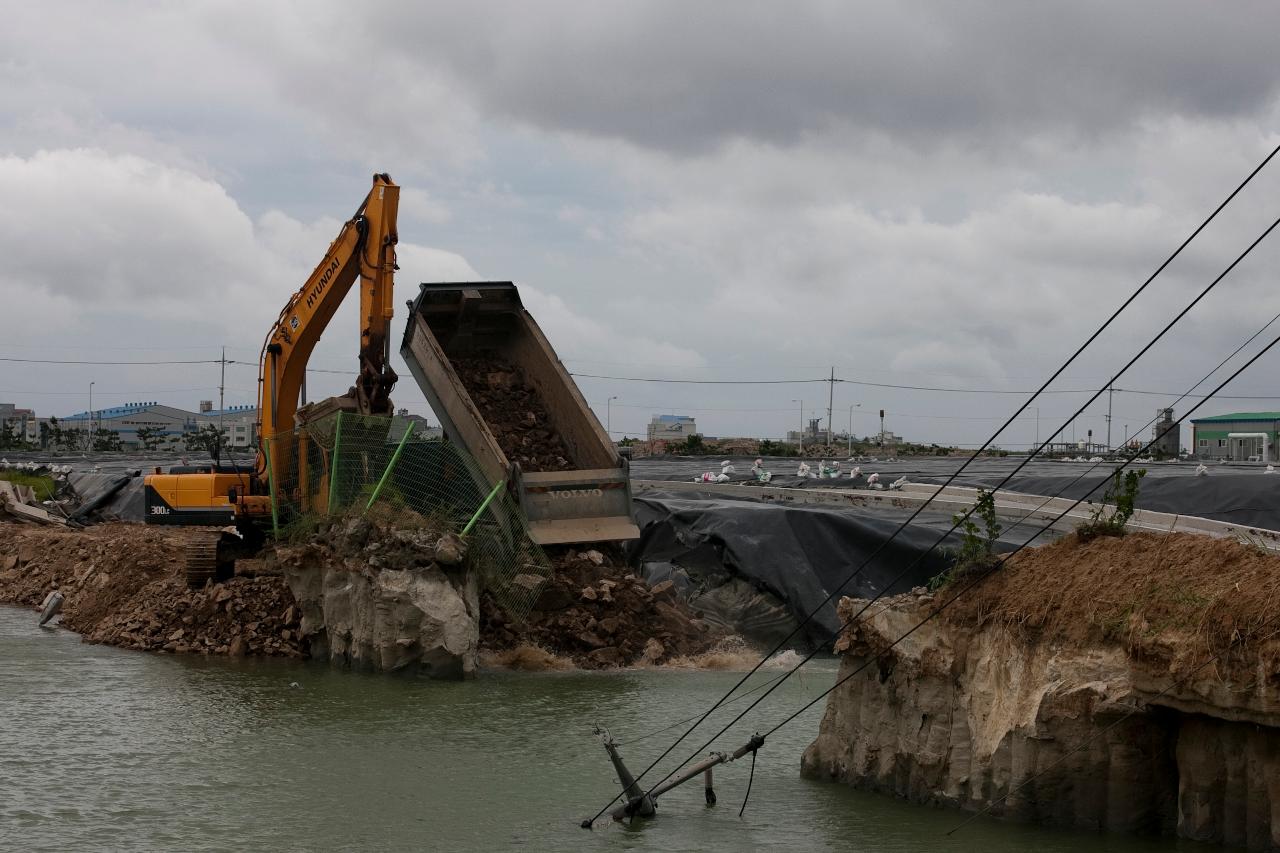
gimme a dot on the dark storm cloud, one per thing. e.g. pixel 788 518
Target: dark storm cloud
pixel 684 76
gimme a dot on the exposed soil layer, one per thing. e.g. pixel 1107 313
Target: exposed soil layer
pixel 1123 683
pixel 514 412
pixel 124 586
pixel 1171 599
pixel 595 611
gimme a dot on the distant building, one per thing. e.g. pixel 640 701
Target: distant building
pixel 1166 435
pixel 422 428
pixel 126 420
pixel 671 428
pixel 239 424
pixel 1238 436
pixel 21 423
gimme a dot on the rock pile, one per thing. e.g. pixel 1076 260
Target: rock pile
pixel 597 612
pixel 514 412
pixel 124 587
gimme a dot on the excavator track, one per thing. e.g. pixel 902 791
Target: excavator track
pixel 202 557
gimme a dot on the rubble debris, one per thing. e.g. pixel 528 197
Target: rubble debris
pixel 20 503
pixel 600 616
pixel 52 607
pixel 514 412
pixel 123 586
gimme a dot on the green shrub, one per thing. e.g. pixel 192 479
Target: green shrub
pixel 977 549
pixel 1116 507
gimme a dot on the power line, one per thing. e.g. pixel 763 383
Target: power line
pixel 975 582
pixel 1003 558
pixel 989 441
pixel 889 385
pixel 702 381
pixel 61 361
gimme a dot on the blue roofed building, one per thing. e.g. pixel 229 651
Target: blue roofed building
pixel 126 420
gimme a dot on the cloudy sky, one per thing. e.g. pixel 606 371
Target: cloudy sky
pixel 937 194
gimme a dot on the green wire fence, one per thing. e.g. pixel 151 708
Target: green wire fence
pixel 348 464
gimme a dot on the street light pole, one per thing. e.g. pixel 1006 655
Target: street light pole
pixel 91 416
pixel 850 436
pixel 608 417
pixel 800 435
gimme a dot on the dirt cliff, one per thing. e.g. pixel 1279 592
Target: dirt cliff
pixel 124 586
pixel 1121 683
pixel 390 592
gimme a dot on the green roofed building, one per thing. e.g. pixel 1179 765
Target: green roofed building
pixel 1240 436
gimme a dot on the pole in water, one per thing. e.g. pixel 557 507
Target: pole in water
pixel 630 787
pixel 642 803
pixel 52 606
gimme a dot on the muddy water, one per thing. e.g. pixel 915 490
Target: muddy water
pixel 104 749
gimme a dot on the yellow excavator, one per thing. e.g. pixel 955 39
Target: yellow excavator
pixel 217 495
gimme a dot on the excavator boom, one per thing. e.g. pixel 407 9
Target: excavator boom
pixel 365 249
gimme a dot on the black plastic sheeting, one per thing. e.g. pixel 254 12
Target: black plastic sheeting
pixel 1251 500
pixel 119 502
pixel 791 556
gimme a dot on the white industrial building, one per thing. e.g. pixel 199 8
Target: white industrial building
pixel 673 428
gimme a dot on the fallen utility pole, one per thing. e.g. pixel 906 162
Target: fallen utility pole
pixel 641 804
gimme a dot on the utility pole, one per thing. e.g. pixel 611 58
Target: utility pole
pixel 222 384
pixel 1110 389
pixel 91 416
pixel 608 416
pixel 1037 408
pixel 882 429
pixel 831 392
pixel 800 435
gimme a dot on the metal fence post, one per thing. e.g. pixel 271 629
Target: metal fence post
pixel 482 508
pixel 333 467
pixel 271 488
pixel 395 457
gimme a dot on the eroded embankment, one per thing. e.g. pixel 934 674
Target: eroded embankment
pixel 387 592
pixel 124 586
pixel 1128 684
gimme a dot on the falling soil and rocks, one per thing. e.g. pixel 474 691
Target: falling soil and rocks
pixel 124 586
pixel 596 612
pixel 514 412
pixel 1114 683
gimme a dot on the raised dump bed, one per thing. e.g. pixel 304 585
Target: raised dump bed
pixel 501 392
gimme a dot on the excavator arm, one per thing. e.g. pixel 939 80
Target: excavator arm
pixel 211 496
pixel 365 248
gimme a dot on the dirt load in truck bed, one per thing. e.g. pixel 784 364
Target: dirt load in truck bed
pixel 514 412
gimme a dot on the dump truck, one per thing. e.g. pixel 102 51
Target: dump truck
pixel 474 348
